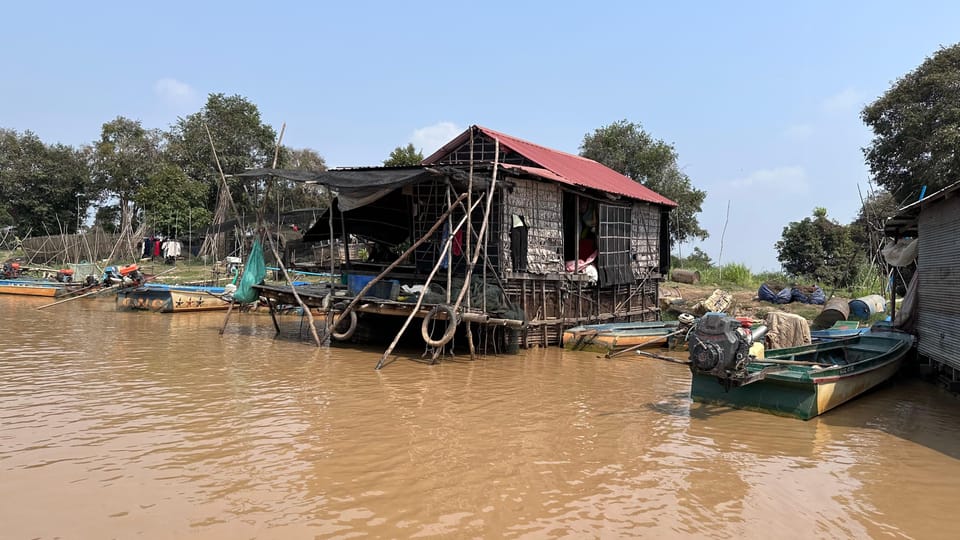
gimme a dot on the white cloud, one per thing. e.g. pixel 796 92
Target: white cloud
pixel 429 139
pixel 772 182
pixel 844 100
pixel 174 92
pixel 798 132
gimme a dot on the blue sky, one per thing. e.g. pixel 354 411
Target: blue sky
pixel 760 100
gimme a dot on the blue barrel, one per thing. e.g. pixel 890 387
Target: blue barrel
pixel 867 306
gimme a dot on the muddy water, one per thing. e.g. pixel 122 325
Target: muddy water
pixel 124 425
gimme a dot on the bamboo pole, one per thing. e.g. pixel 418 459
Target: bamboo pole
pixel 483 229
pixel 469 237
pixel 401 258
pixel 426 286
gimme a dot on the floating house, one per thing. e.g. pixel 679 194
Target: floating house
pixel 551 240
pixel 931 306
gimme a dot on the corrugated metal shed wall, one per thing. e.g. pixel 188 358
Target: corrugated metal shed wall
pixel 938 266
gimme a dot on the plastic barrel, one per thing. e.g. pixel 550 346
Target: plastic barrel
pixel 685 276
pixel 836 309
pixel 867 306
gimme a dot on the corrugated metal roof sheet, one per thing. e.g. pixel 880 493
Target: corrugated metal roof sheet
pixel 565 168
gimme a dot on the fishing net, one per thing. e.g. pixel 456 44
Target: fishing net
pixel 253 274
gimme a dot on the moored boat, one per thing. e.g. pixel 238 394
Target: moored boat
pixel 611 336
pixel 839 330
pixel 33 287
pixel 172 298
pixel 802 382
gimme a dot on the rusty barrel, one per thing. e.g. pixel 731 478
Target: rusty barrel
pixel 836 309
pixel 681 275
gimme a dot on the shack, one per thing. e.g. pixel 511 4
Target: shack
pixel 934 222
pixel 542 239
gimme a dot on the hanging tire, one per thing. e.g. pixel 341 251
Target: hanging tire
pixel 451 326
pixel 343 336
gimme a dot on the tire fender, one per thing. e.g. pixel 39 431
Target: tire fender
pixel 348 333
pixel 452 322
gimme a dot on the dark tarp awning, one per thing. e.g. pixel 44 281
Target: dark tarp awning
pixel 386 220
pixel 355 187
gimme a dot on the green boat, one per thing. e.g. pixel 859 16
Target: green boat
pixel 801 382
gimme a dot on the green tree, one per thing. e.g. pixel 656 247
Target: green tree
pixel 404 155
pixel 916 127
pixel 294 195
pixel 818 248
pixel 626 148
pixel 170 200
pixel 123 158
pixel 242 142
pixel 43 188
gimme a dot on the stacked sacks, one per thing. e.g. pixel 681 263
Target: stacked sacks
pixel 808 295
pixel 775 294
pixel 778 294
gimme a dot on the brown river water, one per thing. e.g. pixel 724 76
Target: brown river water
pixel 142 425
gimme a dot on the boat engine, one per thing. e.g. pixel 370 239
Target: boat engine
pixel 720 346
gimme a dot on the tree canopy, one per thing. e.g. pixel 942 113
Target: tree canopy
pixel 404 155
pixel 916 127
pixel 818 248
pixel 43 188
pixel 123 158
pixel 626 148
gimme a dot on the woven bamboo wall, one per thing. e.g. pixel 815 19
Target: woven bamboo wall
pixel 645 240
pixel 541 206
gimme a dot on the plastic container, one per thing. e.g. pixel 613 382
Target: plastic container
pixel 356 282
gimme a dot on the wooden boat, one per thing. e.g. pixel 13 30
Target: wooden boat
pixel 802 382
pixel 839 330
pixel 172 298
pixel 611 336
pixel 36 287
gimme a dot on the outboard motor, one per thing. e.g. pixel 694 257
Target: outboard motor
pixel 720 346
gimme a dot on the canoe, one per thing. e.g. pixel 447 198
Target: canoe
pixel 172 298
pixel 839 330
pixel 802 382
pixel 611 336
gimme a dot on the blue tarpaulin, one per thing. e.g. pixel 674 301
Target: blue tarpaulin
pixel 783 296
pixel 808 295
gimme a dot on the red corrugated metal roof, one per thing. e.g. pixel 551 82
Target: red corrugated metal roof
pixel 565 168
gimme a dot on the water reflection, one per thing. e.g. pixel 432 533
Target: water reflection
pixel 152 425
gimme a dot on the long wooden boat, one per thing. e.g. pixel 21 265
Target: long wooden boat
pixel 36 287
pixel 611 336
pixel 172 298
pixel 802 382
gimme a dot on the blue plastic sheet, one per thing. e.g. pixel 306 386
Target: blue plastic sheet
pixel 813 297
pixel 783 296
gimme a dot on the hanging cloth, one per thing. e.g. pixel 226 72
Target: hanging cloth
pixel 253 274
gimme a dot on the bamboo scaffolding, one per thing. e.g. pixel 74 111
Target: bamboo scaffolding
pixel 426 285
pixel 480 245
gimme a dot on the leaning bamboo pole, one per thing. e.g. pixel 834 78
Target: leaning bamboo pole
pixel 401 258
pixel 426 287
